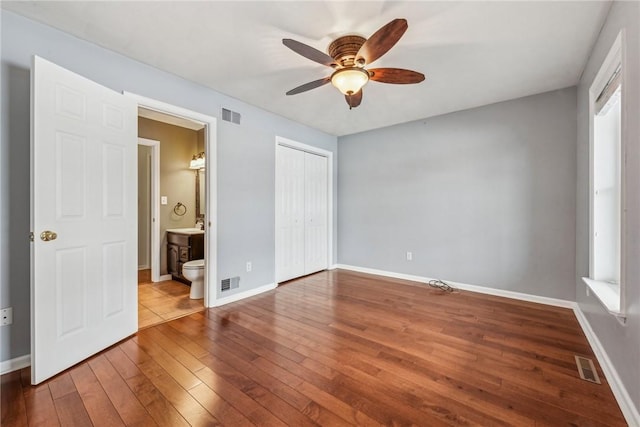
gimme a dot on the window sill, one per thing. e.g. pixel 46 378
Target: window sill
pixel 608 294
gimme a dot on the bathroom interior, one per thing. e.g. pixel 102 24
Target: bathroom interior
pixel 179 289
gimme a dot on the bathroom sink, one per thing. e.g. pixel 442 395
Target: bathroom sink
pixel 185 230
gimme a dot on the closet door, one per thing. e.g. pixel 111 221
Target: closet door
pixel 315 204
pixel 290 227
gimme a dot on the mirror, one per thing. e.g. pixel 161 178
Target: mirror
pixel 200 194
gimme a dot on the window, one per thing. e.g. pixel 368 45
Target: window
pixel 606 199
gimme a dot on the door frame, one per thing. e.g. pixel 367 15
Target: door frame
pixel 285 142
pixel 211 188
pixel 155 209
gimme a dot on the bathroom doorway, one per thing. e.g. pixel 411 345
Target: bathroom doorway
pixel 173 202
pixel 149 208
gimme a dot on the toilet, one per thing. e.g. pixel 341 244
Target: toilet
pixel 194 272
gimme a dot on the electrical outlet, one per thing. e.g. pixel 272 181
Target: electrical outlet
pixel 409 256
pixel 6 316
pixel 163 200
pixel 249 267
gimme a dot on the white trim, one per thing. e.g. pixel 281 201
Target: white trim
pixel 333 267
pixel 155 206
pixel 330 206
pixel 165 277
pixel 211 293
pixel 15 364
pixel 143 267
pixel 628 408
pixel 615 56
pixel 173 110
pixel 473 288
pixel 246 294
pixel 607 293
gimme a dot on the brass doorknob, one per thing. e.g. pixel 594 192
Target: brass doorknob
pixel 48 235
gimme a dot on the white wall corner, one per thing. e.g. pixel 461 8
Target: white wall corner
pixel 242 295
pixel 15 364
pixel 627 406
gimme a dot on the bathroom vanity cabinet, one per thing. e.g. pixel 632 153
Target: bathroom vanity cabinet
pixel 183 247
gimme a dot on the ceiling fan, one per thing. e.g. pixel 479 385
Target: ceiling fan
pixel 348 55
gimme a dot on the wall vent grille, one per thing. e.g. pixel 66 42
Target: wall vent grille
pixel 587 370
pixel 230 283
pixel 231 116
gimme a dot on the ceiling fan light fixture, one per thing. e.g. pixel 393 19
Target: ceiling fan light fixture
pixel 350 80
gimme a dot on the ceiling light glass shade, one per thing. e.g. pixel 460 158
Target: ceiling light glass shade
pixel 193 164
pixel 197 162
pixel 350 80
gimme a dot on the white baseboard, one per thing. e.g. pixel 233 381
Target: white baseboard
pixel 242 295
pixel 165 277
pixel 628 408
pixel 473 288
pixel 15 364
pixel 144 267
pixel 627 405
pixel 332 267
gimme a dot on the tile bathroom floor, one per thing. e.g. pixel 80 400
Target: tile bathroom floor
pixel 162 301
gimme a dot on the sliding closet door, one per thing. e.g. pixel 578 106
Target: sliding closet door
pixel 301 213
pixel 289 213
pixel 315 206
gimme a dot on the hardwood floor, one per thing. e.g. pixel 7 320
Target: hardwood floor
pixel 335 348
pixel 162 301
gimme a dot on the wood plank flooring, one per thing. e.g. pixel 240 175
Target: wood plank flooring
pixel 162 301
pixel 336 348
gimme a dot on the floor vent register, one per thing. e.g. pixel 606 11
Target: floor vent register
pixel 587 370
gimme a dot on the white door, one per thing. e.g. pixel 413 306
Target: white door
pixel 289 213
pixel 315 207
pixel 301 213
pixel 83 189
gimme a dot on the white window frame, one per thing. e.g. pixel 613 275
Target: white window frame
pixel 611 295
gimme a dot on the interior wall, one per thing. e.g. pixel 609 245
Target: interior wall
pixel 144 206
pixel 484 196
pixel 200 140
pixel 246 196
pixel 622 343
pixel 177 181
pixel 21 38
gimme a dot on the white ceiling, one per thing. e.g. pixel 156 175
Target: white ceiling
pixel 473 53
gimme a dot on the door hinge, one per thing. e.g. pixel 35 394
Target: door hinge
pixel 31 236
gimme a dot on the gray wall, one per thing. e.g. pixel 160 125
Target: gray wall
pixel 483 196
pixel 246 178
pixel 246 185
pixel 622 343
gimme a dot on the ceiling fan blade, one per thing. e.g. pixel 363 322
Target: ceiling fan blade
pixel 395 76
pixel 381 41
pixel 354 100
pixel 309 52
pixel 308 86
